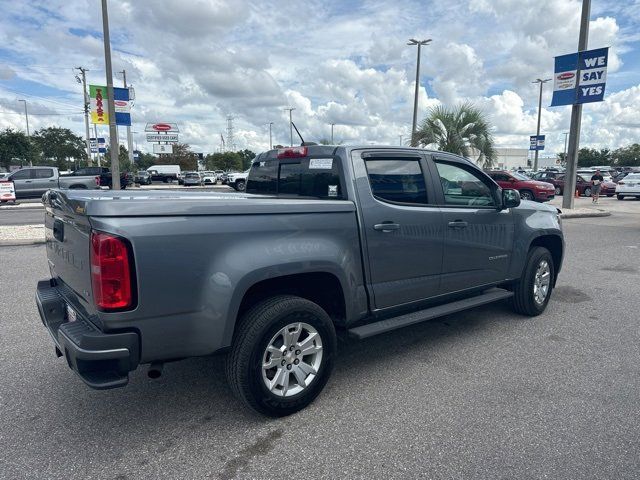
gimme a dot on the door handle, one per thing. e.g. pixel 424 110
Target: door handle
pixel 27 181
pixel 386 227
pixel 458 224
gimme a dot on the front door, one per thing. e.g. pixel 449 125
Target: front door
pixel 23 182
pixel 478 238
pixel 402 226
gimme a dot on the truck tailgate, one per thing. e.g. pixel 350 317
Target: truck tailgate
pixel 67 234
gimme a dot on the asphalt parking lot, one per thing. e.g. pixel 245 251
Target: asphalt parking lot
pixel 482 394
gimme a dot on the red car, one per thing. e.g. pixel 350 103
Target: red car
pixel 583 185
pixel 529 189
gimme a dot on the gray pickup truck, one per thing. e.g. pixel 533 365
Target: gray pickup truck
pixel 34 181
pixel 354 240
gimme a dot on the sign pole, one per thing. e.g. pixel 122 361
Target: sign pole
pixel 113 135
pixel 576 118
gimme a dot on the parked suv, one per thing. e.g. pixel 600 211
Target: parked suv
pixel 529 189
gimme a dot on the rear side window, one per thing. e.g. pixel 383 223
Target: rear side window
pixel 303 177
pixel 44 173
pixel 397 180
pixel 500 177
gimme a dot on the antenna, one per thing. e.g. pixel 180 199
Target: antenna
pixel 298 132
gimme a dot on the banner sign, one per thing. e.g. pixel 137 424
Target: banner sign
pixel 170 138
pixel 7 192
pixel 162 127
pixel 100 109
pixel 536 143
pixel 99 146
pixel 580 77
pixel 157 148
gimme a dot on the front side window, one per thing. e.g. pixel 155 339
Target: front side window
pixel 462 187
pixel 21 175
pixel 397 180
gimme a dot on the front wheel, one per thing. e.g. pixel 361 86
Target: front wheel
pixel 240 185
pixel 558 191
pixel 587 192
pixel 620 197
pixel 282 355
pixel 526 195
pixel 533 290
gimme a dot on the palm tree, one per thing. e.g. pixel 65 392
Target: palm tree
pixel 463 130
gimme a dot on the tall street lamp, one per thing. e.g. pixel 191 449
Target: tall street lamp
pixel 541 82
pixel 332 125
pixel 565 147
pixel 291 109
pixel 270 136
pixel 26 116
pixel 419 43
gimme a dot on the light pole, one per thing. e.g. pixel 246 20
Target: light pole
pixel 270 137
pixel 565 147
pixel 83 72
pixel 332 125
pixel 541 82
pixel 129 139
pixel 291 109
pixel 113 134
pixel 26 116
pixel 419 43
pixel 400 139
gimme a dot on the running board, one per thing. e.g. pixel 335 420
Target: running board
pixel 382 326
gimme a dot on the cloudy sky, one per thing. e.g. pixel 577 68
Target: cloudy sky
pixel 345 62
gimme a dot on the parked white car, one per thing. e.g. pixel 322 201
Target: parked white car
pixel 209 178
pixel 629 186
pixel 238 181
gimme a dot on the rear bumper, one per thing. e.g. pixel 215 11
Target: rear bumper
pixel 102 360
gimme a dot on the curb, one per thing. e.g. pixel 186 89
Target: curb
pixel 17 207
pixel 19 243
pixel 594 213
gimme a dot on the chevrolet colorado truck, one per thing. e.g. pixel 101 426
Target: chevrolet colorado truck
pixel 326 239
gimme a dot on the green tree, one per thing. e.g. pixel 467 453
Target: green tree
pixel 60 145
pixel 627 156
pixel 224 161
pixel 145 160
pixel 14 145
pixel 589 157
pixel 463 130
pixel 247 156
pixel 182 155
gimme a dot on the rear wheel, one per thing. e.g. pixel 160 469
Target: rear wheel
pixel 282 355
pixel 533 291
pixel 558 190
pixel 241 185
pixel 620 197
pixel 587 192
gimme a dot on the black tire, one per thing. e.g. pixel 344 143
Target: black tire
pixel 523 291
pixel 241 185
pixel 587 192
pixel 558 191
pixel 527 195
pixel 609 195
pixel 256 329
pixel 620 197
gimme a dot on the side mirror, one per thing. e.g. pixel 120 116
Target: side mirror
pixel 510 198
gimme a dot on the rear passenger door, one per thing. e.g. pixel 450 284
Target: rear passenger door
pixel 478 238
pixel 43 180
pixel 402 226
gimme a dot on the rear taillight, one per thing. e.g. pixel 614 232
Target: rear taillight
pixel 110 272
pixel 292 152
pixel 97 181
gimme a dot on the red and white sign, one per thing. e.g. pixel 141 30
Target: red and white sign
pixel 7 192
pixel 162 127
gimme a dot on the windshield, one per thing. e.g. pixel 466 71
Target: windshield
pixel 520 176
pixel 633 176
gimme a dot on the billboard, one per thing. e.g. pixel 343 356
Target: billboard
pixel 100 108
pixel 580 77
pixel 536 142
pixel 99 145
pixel 169 137
pixel 163 127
